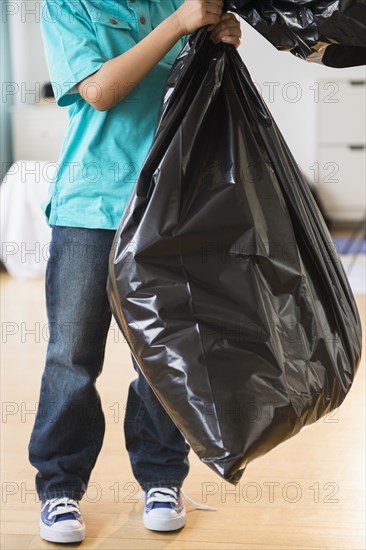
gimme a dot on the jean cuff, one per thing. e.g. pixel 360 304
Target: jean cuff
pixel 59 493
pixel 146 485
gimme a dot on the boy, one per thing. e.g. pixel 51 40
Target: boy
pixel 108 61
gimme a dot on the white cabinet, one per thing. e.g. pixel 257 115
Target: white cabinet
pixel 341 177
pixel 342 184
pixel 38 131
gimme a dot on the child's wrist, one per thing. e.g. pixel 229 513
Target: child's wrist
pixel 176 28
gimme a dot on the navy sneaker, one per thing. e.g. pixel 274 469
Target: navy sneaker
pixel 164 509
pixel 61 520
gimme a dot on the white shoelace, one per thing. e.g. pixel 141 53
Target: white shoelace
pixel 171 497
pixel 62 506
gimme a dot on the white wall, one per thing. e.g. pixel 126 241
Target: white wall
pixel 28 64
pixel 291 81
pixel 297 119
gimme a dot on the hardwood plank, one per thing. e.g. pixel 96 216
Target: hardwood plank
pixel 316 478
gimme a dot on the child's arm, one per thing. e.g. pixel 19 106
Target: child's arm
pixel 118 76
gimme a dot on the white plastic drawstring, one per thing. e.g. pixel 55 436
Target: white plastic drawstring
pixel 193 503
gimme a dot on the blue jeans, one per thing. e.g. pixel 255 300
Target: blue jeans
pixel 69 426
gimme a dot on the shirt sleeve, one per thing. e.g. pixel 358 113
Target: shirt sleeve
pixel 71 47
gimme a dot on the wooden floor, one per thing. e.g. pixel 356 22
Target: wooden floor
pixel 308 493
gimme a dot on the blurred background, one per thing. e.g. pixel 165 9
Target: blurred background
pixel 321 113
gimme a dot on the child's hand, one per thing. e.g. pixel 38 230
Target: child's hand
pixel 226 30
pixel 193 14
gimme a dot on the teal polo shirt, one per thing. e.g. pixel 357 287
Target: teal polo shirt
pixel 103 152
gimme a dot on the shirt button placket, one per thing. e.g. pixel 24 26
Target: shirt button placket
pixel 142 22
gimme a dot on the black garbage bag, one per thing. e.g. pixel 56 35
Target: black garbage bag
pixel 223 276
pixel 330 32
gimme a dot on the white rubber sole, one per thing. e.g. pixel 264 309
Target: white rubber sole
pixel 52 535
pixel 155 524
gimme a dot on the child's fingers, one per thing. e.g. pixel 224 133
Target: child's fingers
pixel 232 31
pixel 227 39
pixel 234 40
pixel 232 22
pixel 224 17
pixel 231 26
pixel 227 30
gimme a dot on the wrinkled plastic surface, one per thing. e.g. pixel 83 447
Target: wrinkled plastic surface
pixel 330 32
pixel 223 276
